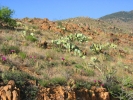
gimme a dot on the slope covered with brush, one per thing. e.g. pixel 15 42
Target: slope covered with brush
pixel 122 19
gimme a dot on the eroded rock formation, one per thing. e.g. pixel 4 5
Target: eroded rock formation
pixel 66 93
pixel 9 91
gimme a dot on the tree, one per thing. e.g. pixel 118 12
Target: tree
pixel 5 17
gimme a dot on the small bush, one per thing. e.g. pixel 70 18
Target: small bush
pixel 55 80
pixel 6 49
pixel 58 80
pixel 51 64
pixel 43 82
pixel 38 32
pixel 22 55
pixel 27 92
pixel 31 92
pixel 80 84
pixel 3 59
pixel 32 59
pixel 18 76
pixel 31 38
pixel 79 66
pixel 89 72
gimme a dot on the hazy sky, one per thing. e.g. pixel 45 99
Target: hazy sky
pixel 63 9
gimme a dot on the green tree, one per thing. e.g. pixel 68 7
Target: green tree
pixel 5 17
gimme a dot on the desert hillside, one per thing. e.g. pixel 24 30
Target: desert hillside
pixel 122 19
pixel 72 59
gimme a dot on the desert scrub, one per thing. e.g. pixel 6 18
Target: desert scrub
pixel 22 55
pixel 120 88
pixel 96 48
pixel 28 91
pixel 32 59
pixel 19 77
pixel 100 48
pixel 67 43
pixel 38 32
pixel 83 70
pixel 78 66
pixel 58 80
pixel 35 27
pixel 31 38
pixel 3 59
pixel 89 72
pixel 8 38
pixel 53 81
pixel 81 84
pixel 98 83
pixel 7 49
pixel 51 64
pixel 78 69
pixel 44 83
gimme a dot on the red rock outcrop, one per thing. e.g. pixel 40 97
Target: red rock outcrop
pixel 53 26
pixel 9 91
pixel 66 93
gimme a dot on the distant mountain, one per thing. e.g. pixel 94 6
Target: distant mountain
pixel 122 15
pixel 122 19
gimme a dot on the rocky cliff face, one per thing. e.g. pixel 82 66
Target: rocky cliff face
pixel 11 92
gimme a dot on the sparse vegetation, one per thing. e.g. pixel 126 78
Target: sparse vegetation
pixel 89 56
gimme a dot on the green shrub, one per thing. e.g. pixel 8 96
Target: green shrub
pixel 51 64
pixel 5 17
pixel 38 32
pixel 89 72
pixel 9 38
pixel 31 93
pixel 80 84
pixel 22 55
pixel 18 76
pixel 55 80
pixel 58 80
pixel 7 49
pixel 28 92
pixel 79 66
pixel 119 88
pixel 43 82
pixel 31 38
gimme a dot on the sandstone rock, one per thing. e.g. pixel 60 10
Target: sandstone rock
pixel 56 30
pixel 93 96
pixel 12 83
pixel 65 93
pixel 3 95
pixel 45 26
pixel 16 95
pixel 45 20
pixel 100 90
pixel 9 92
pixel 104 96
pixel 8 95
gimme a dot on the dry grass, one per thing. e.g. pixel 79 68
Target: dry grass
pixel 47 64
